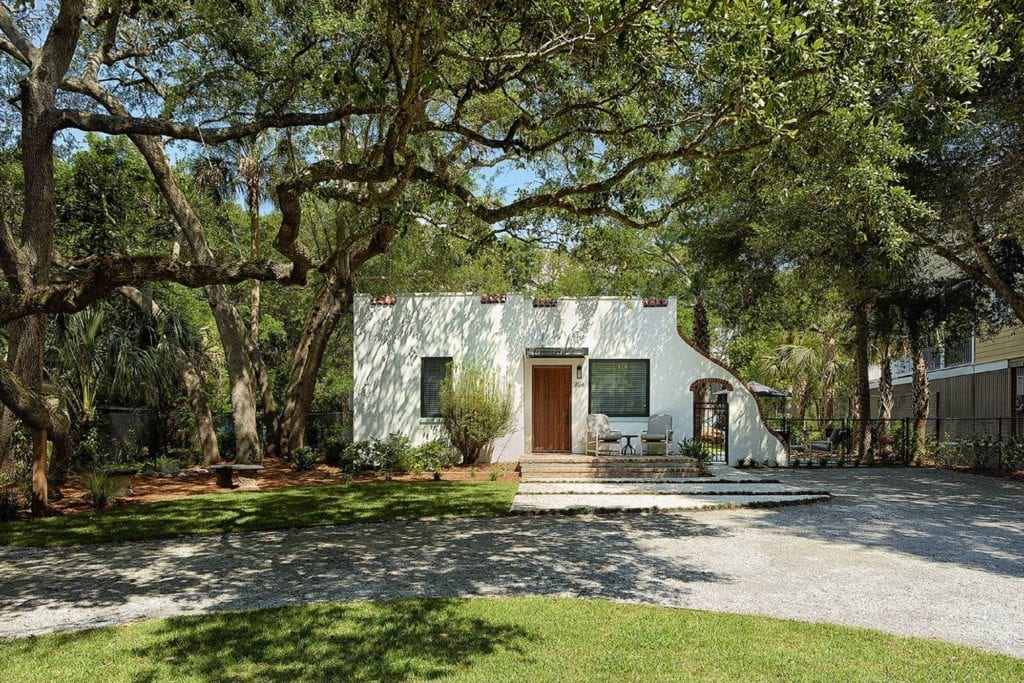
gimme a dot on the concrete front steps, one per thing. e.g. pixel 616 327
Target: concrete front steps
pixel 558 467
pixel 727 488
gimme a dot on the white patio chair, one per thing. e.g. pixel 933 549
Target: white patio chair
pixel 657 438
pixel 601 438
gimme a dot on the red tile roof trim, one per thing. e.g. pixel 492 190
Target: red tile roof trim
pixel 545 303
pixel 654 302
pixel 492 298
pixel 383 300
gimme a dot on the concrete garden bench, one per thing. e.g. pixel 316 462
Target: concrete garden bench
pixel 225 471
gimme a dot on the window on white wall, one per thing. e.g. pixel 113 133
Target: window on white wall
pixel 620 388
pixel 433 372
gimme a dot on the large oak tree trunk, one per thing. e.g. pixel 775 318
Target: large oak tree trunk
pixel 240 379
pixel 231 328
pixel 332 301
pixel 259 368
pixel 39 217
pixel 206 434
pixel 862 390
pixel 8 420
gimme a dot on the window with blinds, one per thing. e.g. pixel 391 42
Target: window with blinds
pixel 620 388
pixel 432 373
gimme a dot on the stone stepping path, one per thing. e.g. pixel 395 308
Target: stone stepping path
pixel 730 490
pixel 539 504
pixel 714 488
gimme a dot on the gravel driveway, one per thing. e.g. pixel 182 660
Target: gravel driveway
pixel 915 552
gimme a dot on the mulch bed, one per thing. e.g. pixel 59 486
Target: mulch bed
pixel 276 474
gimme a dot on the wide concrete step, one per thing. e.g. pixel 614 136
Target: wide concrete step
pixel 595 503
pixel 576 458
pixel 585 467
pixel 648 474
pixel 710 487
pixel 576 467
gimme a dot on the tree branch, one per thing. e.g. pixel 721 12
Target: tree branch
pixel 12 260
pixel 133 125
pixel 21 47
pixel 106 274
pixel 31 407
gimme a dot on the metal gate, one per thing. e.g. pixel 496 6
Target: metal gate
pixel 711 429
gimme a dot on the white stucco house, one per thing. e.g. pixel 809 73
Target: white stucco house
pixel 565 359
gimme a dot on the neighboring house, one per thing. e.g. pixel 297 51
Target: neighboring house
pixel 971 380
pixel 564 359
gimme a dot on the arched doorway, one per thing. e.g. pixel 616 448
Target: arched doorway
pixel 711 417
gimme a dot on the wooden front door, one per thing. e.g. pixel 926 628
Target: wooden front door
pixel 552 408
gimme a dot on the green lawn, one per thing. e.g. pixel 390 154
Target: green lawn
pixel 517 639
pixel 217 513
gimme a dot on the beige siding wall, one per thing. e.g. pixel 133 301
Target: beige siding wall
pixel 981 395
pixel 1008 343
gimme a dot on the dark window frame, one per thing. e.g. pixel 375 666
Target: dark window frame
pixel 647 388
pixel 423 382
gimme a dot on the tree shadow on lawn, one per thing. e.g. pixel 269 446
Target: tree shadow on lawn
pixel 973 521
pixel 230 511
pixel 384 641
pixel 620 557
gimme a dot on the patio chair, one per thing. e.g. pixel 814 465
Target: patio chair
pixel 601 438
pixel 837 442
pixel 657 438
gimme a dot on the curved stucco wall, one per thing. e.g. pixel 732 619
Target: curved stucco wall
pixel 389 341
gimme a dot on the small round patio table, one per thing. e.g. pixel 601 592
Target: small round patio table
pixel 628 448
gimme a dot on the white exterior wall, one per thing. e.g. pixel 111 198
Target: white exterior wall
pixel 390 340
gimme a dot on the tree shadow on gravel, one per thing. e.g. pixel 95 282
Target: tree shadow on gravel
pixel 969 520
pixel 388 641
pixel 626 557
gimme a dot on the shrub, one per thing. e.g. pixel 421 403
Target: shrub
pixel 332 444
pixel 90 450
pixel 902 443
pixel 401 457
pixel 797 433
pixel 357 457
pixel 303 459
pixel 692 448
pixel 100 486
pixel 226 439
pixel 394 454
pixel 435 456
pixel 476 408
pixel 10 502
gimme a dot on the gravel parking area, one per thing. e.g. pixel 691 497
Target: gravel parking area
pixel 916 552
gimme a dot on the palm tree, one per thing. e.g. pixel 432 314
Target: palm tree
pixel 246 168
pixel 103 355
